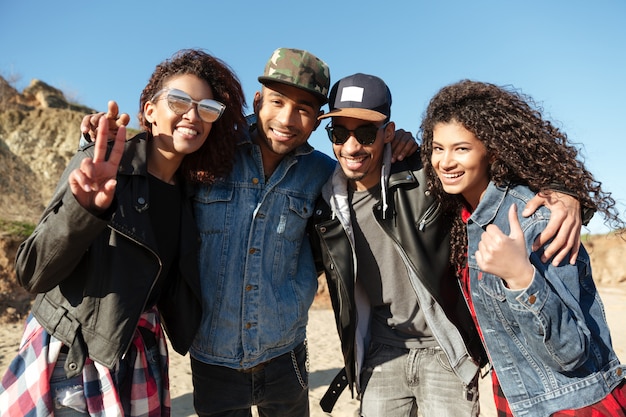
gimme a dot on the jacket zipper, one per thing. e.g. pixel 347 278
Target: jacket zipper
pixel 145 301
pixel 422 223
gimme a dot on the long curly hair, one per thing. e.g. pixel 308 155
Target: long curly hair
pixel 524 148
pixel 214 159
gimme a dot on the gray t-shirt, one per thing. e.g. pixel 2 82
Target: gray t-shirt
pixel 397 319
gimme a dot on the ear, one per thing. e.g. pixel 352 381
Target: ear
pixel 390 132
pixel 256 102
pixel 318 120
pixel 148 112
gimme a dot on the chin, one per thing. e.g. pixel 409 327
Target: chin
pixel 452 190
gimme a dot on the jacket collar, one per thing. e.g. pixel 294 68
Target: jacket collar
pixel 134 159
pixel 489 205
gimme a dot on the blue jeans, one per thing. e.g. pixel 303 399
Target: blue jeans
pixel 68 396
pixel 400 382
pixel 279 388
pixel 68 393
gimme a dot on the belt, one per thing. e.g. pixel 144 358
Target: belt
pixel 334 391
pixel 254 369
pixel 261 366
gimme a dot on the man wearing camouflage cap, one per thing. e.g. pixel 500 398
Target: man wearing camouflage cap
pixel 256 267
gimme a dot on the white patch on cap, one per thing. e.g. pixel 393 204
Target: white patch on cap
pixel 352 93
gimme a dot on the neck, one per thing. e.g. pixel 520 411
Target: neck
pixel 269 158
pixel 162 166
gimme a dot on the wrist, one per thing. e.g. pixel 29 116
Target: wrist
pixel 523 280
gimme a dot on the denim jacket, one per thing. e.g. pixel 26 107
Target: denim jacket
pixel 257 273
pixel 549 343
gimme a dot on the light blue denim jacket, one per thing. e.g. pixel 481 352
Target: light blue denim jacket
pixel 549 343
pixel 256 267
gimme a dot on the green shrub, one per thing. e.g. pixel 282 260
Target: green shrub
pixel 17 229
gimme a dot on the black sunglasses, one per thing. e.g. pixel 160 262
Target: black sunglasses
pixel 366 135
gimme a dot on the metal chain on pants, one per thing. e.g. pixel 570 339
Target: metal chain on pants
pixel 294 360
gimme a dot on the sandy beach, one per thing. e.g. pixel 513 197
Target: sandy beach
pixel 325 359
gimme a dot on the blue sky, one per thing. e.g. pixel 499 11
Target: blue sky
pixel 570 55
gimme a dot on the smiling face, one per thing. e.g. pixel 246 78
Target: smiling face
pixel 286 117
pixel 174 135
pixel 362 163
pixel 460 161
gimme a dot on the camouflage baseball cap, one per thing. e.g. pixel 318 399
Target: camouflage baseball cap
pixel 300 69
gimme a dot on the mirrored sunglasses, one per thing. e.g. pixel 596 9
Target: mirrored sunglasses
pixel 180 103
pixel 365 135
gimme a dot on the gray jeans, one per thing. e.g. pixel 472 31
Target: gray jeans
pixel 400 382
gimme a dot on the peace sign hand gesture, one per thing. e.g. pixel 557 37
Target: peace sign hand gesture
pixel 93 183
pixel 506 256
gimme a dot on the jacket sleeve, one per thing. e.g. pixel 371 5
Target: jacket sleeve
pixel 60 239
pixel 551 317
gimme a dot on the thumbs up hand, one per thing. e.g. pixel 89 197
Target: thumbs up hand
pixel 506 256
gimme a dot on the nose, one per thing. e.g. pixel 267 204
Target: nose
pixel 287 115
pixel 352 143
pixel 445 160
pixel 192 113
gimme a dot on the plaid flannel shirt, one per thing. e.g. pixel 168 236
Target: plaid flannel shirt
pixel 25 387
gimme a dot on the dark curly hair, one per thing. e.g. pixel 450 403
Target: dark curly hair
pixel 524 147
pixel 214 159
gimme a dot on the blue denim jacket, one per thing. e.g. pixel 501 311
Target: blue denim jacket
pixel 256 267
pixel 549 343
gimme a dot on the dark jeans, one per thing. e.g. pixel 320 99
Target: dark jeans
pixel 279 388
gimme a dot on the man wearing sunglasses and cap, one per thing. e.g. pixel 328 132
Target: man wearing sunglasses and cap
pixel 408 339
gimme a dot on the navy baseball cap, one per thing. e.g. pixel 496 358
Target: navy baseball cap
pixel 360 96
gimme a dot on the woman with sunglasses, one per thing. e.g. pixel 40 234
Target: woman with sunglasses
pixel 487 150
pixel 115 252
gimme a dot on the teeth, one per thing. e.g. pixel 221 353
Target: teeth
pixel 451 176
pixel 187 131
pixel 361 159
pixel 283 135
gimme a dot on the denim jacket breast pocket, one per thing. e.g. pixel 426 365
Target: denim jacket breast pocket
pixel 212 209
pixel 300 210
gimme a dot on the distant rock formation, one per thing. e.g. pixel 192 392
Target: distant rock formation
pixel 39 133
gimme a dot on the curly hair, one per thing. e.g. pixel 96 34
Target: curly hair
pixel 524 148
pixel 214 159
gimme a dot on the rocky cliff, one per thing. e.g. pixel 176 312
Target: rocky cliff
pixel 39 132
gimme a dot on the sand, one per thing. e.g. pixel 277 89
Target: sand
pixel 325 359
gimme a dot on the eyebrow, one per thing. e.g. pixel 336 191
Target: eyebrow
pixel 299 101
pixel 464 142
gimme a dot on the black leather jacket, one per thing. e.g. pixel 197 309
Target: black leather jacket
pixel 94 274
pixel 413 221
